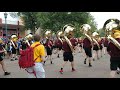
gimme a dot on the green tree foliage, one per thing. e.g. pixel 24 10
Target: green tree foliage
pixel 101 32
pixel 56 20
pixel 92 23
pixel 29 18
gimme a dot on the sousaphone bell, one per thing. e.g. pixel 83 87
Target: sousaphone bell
pixel 112 31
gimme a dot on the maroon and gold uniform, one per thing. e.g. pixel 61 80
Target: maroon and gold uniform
pixel 100 44
pixel 114 53
pixel 74 42
pixel 105 42
pixel 87 47
pixel 67 52
pixel 48 46
pixel 58 44
pixel 80 42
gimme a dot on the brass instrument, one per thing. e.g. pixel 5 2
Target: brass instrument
pixel 1 41
pixel 60 35
pixel 68 33
pixel 96 38
pixel 112 31
pixel 48 34
pixel 28 37
pixel 14 38
pixel 86 30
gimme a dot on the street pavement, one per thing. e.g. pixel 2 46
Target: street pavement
pixel 100 68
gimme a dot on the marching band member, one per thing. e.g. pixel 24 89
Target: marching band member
pixel 87 42
pixel 68 47
pixel 14 47
pixel 100 42
pixel 26 42
pixel 105 43
pixel 112 28
pixel 2 51
pixel 96 46
pixel 59 43
pixel 74 43
pixel 80 41
pixel 29 39
pixel 48 46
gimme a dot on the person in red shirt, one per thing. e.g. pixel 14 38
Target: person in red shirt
pixel 113 49
pixel 67 50
pixel 80 41
pixel 105 43
pixel 96 45
pixel 87 46
pixel 58 44
pixel 100 42
pixel 87 42
pixel 74 43
pixel 49 47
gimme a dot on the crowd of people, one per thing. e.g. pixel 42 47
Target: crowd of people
pixel 90 45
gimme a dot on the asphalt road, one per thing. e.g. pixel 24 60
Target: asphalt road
pixel 100 68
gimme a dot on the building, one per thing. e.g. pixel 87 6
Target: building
pixel 13 27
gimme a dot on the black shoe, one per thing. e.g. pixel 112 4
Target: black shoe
pixel 90 65
pixel 7 73
pixel 58 56
pixel 12 60
pixel 118 72
pixel 84 62
pixel 16 59
pixel 93 59
pixel 44 62
pixel 51 62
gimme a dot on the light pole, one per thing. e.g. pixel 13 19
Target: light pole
pixel 5 15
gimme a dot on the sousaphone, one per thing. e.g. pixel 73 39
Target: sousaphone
pixel 60 35
pixel 112 31
pixel 29 37
pixel 48 34
pixel 96 38
pixel 68 33
pixel 85 29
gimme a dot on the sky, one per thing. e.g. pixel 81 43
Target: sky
pixel 100 17
pixel 8 17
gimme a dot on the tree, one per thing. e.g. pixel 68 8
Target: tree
pixel 101 32
pixel 56 20
pixel 29 18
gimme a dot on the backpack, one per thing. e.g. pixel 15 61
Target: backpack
pixel 26 58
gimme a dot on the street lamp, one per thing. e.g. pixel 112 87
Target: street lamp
pixel 5 15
